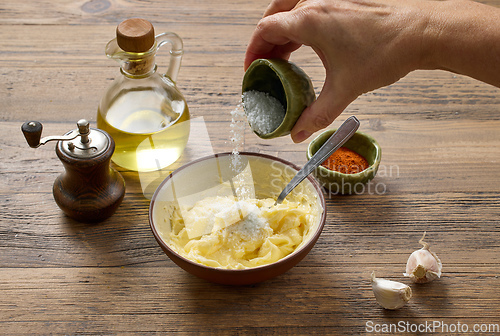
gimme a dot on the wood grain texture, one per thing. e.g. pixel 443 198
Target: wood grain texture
pixel 440 139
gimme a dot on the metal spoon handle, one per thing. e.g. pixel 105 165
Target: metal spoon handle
pixel 340 137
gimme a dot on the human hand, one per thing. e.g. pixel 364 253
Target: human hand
pixel 363 44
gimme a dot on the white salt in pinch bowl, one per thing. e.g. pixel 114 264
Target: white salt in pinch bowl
pixel 284 81
pixel 202 177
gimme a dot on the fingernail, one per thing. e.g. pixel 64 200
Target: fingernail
pixel 301 136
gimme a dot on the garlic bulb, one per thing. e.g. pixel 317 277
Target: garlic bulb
pixel 423 265
pixel 390 294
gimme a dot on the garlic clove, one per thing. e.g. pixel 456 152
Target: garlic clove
pixel 423 265
pixel 390 294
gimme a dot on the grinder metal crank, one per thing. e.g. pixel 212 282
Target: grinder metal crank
pixel 89 190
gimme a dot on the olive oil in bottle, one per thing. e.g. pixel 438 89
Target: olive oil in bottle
pixel 142 110
pixel 150 131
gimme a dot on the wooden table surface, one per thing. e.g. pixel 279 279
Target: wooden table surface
pixel 440 137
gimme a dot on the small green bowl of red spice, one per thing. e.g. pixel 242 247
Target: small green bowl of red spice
pixel 351 167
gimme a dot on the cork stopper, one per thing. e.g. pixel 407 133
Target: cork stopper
pixel 135 35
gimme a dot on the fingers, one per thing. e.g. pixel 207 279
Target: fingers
pixel 273 38
pixel 281 51
pixel 277 6
pixel 285 27
pixel 321 113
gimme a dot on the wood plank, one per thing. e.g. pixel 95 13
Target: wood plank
pixel 424 156
pixel 215 91
pixel 44 237
pixel 101 12
pixel 126 300
pixel 210 78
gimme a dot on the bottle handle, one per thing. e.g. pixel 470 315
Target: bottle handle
pixel 176 52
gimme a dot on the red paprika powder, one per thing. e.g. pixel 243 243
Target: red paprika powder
pixel 346 161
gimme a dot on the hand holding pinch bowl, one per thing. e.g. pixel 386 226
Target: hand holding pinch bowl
pixel 275 92
pixel 220 224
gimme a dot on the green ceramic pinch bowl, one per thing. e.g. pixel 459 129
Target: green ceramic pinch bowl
pixel 340 183
pixel 284 81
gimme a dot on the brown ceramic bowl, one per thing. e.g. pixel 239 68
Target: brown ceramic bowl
pixel 270 175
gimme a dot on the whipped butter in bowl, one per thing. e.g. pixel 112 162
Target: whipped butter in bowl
pixel 222 225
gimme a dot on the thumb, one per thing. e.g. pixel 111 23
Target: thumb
pixel 321 113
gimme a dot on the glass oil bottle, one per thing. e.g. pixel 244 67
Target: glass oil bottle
pixel 143 110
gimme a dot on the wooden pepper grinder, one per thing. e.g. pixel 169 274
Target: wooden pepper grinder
pixel 89 190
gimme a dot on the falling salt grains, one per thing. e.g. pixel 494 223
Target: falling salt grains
pixel 243 179
pixel 237 138
pixel 264 112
